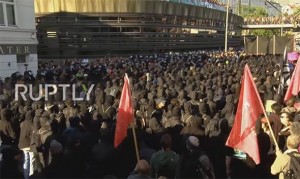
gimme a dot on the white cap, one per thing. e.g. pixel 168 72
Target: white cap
pixel 194 141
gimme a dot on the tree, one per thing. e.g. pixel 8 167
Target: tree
pixel 265 32
pixel 297 11
pixel 248 11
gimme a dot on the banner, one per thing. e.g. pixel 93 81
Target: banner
pixel 263 45
pixel 250 45
pixel 293 56
pixel 268 45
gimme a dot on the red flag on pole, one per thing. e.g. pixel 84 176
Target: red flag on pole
pixel 294 86
pixel 250 107
pixel 125 113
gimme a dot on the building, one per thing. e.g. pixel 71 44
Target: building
pixel 286 2
pixel 289 9
pixel 94 28
pixel 18 43
pixel 274 9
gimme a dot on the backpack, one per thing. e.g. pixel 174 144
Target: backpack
pixel 193 167
pixel 190 166
pixel 201 170
pixel 294 171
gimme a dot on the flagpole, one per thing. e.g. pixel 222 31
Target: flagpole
pixel 268 121
pixel 271 130
pixel 135 142
pixel 256 45
pixel 245 42
pixel 274 45
pixel 133 130
pixel 284 55
pixel 125 117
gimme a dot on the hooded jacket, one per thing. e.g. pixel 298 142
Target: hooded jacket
pixel 165 163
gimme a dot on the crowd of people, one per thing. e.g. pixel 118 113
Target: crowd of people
pixel 285 19
pixel 184 107
pixel 213 4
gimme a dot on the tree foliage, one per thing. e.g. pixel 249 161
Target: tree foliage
pixel 265 32
pixel 248 11
pixel 297 11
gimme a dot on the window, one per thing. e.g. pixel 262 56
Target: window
pixel 7 13
pixel 51 34
pixel 1 15
pixel 21 58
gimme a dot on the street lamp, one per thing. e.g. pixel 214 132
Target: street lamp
pixel 226 26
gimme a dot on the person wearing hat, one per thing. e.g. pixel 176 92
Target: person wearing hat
pixel 195 163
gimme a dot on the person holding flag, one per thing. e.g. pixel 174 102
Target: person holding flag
pixel 125 116
pixel 244 134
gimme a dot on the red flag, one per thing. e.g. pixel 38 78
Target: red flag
pixel 250 107
pixel 125 113
pixel 294 86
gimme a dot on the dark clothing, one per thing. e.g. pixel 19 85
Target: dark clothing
pixel 262 170
pixel 138 176
pixel 216 151
pixel 9 166
pixel 102 159
pixel 107 113
pixel 196 164
pixel 146 152
pixel 74 160
pixel 10 170
pixel 165 163
pixel 212 108
pixel 55 168
pixel 276 125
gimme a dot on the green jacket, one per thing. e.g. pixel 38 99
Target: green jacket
pixel 165 163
